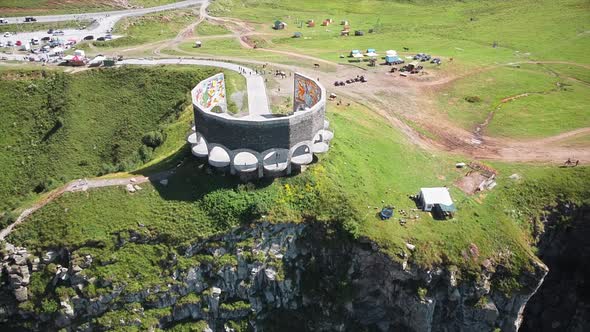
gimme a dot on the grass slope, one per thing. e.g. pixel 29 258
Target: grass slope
pixel 552 104
pixel 57 127
pixel 362 173
pixel 149 28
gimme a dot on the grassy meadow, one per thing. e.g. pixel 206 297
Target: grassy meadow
pixel 545 104
pixel 58 127
pixel 149 28
pixel 464 31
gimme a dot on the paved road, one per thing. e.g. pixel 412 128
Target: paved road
pixel 120 13
pixel 104 21
pixel 257 98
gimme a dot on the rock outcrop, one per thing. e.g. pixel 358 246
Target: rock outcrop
pixel 287 277
pixel 563 301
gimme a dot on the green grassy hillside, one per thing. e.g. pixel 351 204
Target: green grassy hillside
pixel 57 127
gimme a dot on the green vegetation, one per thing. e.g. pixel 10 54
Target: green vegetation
pixel 528 102
pixel 189 327
pixel 239 305
pixel 463 30
pixel 149 28
pixel 45 26
pixel 209 29
pixel 47 7
pixel 58 127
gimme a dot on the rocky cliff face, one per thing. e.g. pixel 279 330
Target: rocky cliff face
pixel 563 301
pixel 274 277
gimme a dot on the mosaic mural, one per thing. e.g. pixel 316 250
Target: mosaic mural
pixel 307 93
pixel 211 92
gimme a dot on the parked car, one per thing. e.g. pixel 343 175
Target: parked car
pixel 4 58
pixel 100 39
pixel 89 37
pixel 30 19
pixel 3 21
pixel 1 44
pixel 35 41
pixel 50 31
pixel 19 43
pixel 58 33
pixel 7 34
pixel 109 36
pixel 46 39
pixel 9 43
pixel 435 60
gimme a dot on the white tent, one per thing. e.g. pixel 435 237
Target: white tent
pixel 429 197
pixel 357 55
pixel 391 53
pixel 80 53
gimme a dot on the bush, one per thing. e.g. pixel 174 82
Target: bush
pixel 153 139
pixel 145 153
pixel 7 218
pixel 46 185
pixel 49 306
pixel 473 99
pixel 422 293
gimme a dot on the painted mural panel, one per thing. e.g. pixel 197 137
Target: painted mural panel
pixel 211 93
pixel 307 93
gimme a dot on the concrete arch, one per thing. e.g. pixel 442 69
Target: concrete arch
pixel 200 149
pixel 275 160
pixel 323 136
pixel 192 138
pixel 301 153
pixel 219 156
pixel 245 160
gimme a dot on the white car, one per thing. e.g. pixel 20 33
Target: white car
pixel 1 44
pixel 7 34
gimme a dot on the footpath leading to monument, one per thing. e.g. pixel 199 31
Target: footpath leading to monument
pixel 257 97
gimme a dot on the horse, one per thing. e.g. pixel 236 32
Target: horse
pixel 316 65
pixel 406 49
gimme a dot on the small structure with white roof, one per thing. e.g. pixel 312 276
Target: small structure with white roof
pixel 372 52
pixel 436 198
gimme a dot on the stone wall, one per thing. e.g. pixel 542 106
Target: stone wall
pixel 282 133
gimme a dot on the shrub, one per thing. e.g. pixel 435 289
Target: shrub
pixel 49 306
pixel 145 153
pixel 7 218
pixel 473 99
pixel 422 293
pixel 153 139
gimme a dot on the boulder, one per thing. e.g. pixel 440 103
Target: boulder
pixel 21 294
pixel 130 188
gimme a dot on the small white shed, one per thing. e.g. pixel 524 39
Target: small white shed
pixel 429 197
